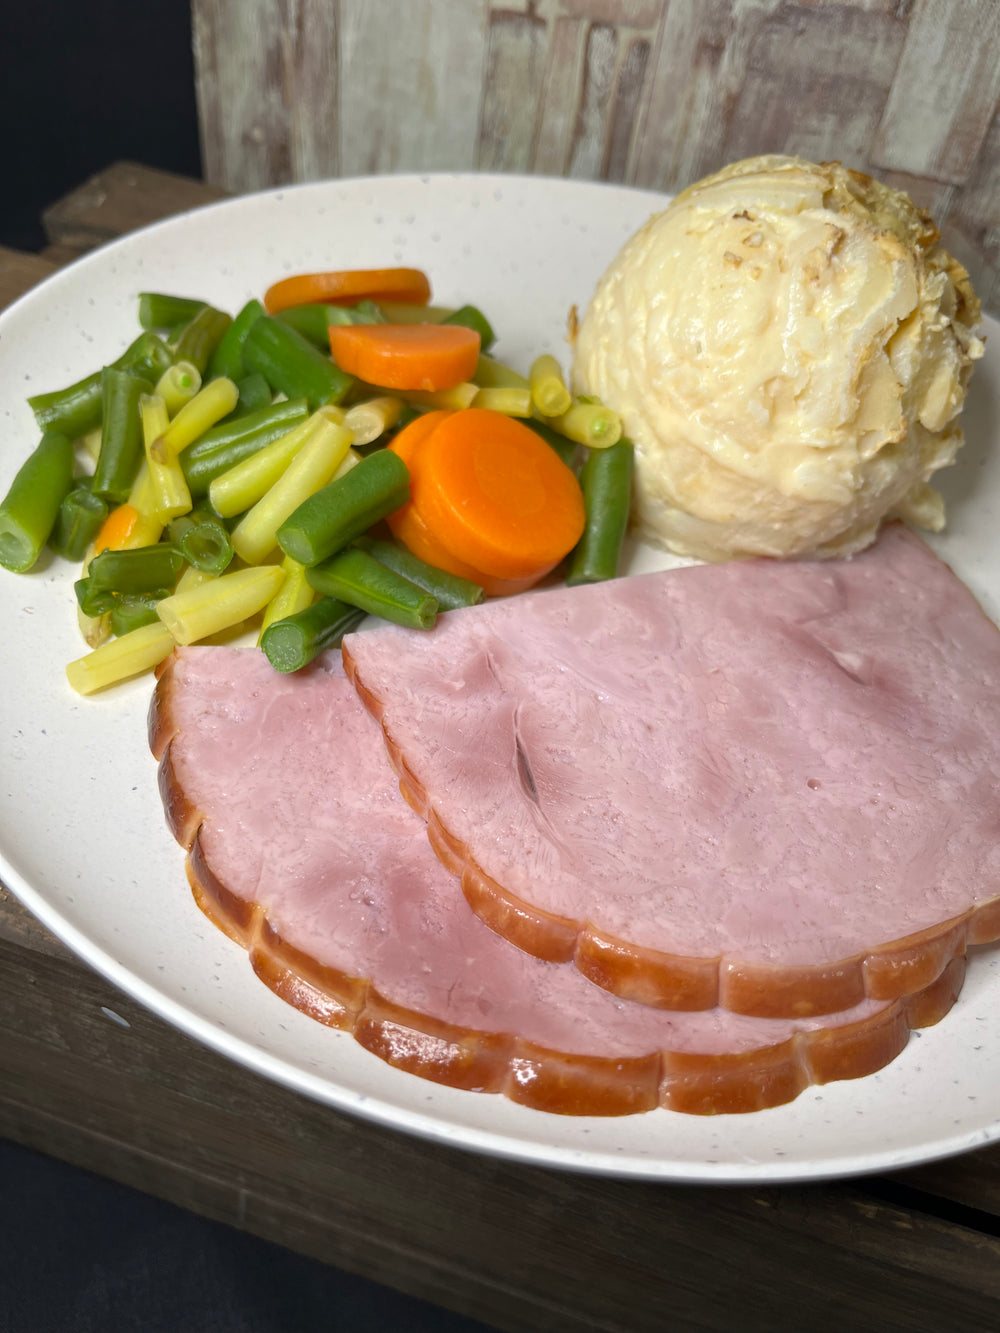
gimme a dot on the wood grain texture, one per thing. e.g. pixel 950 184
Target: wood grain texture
pixel 518 1247
pixel 643 92
pixel 19 272
pixel 121 198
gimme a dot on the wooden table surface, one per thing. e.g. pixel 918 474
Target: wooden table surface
pixel 518 1247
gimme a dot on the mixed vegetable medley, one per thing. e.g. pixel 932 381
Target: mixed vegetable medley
pixel 342 448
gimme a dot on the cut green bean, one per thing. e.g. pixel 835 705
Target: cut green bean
pixel 145 569
pixel 28 511
pixel 346 508
pixel 199 338
pixel 606 478
pixel 159 311
pixel 132 612
pixel 255 393
pixel 471 317
pixel 293 642
pixel 292 365
pixel 360 580
pixel 227 359
pixel 313 321
pixel 451 591
pixel 493 374
pixel 121 434
pixel 202 540
pixel 75 410
pixel 78 523
pixel 231 441
pixel 589 423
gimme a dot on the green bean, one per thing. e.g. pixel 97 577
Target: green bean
pixel 255 393
pixel 132 612
pixel 75 410
pixel 121 434
pixel 450 590
pixel 198 339
pixel 202 540
pixel 471 317
pixel 566 448
pixel 606 478
pixel 358 579
pixel 313 321
pixel 78 523
pixel 346 508
pixel 292 643
pixel 158 311
pixel 227 359
pixel 145 569
pixel 28 511
pixel 292 365
pixel 231 441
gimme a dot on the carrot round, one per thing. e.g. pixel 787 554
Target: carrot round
pixel 406 356
pixel 407 286
pixel 489 500
pixel 117 529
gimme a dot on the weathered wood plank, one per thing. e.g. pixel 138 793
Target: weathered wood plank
pixel 411 89
pixel 123 197
pixel 516 49
pixel 945 91
pixel 516 1246
pixel 19 272
pixel 833 65
pixel 557 116
pixel 600 64
pixel 18 926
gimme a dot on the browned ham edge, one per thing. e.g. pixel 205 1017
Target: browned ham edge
pixel 531 1075
pixel 893 971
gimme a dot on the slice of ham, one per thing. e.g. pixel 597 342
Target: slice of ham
pixel 768 786
pixel 303 851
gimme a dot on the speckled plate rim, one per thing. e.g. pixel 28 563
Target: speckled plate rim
pixel 525 248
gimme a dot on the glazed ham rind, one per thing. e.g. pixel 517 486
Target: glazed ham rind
pixel 302 850
pixel 771 787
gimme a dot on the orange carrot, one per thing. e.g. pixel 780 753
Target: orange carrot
pixel 407 286
pixel 406 356
pixel 490 500
pixel 117 529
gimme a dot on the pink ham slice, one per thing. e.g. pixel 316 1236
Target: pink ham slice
pixel 303 851
pixel 767 786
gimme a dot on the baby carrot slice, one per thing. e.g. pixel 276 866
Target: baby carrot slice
pixel 408 527
pixel 406 356
pixel 407 286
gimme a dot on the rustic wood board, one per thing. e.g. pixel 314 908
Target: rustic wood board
pixel 88 1075
pixel 644 92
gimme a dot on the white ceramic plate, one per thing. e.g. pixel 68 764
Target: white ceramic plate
pixel 83 840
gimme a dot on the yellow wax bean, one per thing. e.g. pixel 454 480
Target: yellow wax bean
pixel 295 594
pixel 209 405
pixel 193 578
pixel 243 485
pixel 367 421
pixel 397 313
pixel 169 495
pixel 351 459
pixel 135 652
pixel 589 423
pixel 511 402
pixel 548 388
pixel 451 400
pixel 219 604
pixel 255 536
pixel 493 374
pixel 148 527
pixel 91 444
pixel 178 385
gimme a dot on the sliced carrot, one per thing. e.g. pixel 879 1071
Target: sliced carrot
pixel 409 528
pixel 117 529
pixel 406 356
pixel 490 500
pixel 407 286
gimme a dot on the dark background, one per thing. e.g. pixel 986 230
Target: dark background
pixel 84 83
